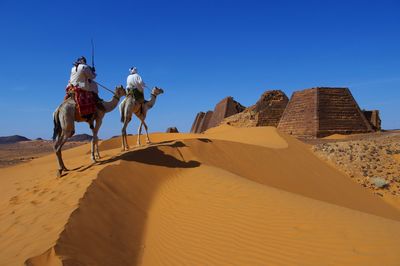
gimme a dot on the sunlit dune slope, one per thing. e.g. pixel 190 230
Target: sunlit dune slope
pixel 253 197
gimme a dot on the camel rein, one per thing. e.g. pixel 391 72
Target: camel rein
pixel 104 87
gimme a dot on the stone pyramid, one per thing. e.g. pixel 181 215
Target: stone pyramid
pixel 322 111
pixel 225 108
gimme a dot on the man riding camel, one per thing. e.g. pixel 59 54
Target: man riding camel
pixel 84 88
pixel 82 76
pixel 135 85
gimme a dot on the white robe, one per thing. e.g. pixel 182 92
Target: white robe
pixel 80 77
pixel 135 81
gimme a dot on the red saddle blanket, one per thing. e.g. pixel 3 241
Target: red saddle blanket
pixel 85 100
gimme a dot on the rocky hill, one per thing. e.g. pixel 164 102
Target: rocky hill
pixel 12 139
pixel 80 137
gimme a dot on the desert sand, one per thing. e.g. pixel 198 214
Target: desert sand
pixel 231 196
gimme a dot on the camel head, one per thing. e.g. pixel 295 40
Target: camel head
pixel 120 91
pixel 157 91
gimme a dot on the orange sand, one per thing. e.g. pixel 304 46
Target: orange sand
pixel 336 136
pixel 248 196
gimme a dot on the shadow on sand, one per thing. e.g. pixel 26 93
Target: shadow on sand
pixel 154 155
pixel 151 154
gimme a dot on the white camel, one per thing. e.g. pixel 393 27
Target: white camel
pixel 64 118
pixel 129 106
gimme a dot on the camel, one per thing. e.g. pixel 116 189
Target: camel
pixel 64 125
pixel 129 106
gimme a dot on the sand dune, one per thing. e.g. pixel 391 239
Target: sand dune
pixel 248 196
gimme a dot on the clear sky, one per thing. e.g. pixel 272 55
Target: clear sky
pixel 198 51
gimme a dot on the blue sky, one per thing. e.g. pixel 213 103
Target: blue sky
pixel 198 51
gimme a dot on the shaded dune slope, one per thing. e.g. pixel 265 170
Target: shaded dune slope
pixel 208 201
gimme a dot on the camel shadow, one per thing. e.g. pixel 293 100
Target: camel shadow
pixel 82 169
pixel 154 155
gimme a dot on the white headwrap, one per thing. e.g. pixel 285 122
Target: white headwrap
pixel 133 70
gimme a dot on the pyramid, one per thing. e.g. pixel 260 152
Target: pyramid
pixel 196 123
pixel 225 108
pixel 322 111
pixel 270 107
pixel 266 112
pixel 374 119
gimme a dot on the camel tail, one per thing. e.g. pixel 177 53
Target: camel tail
pixel 57 125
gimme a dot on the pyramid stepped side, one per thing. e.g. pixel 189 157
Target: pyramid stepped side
pixel 223 109
pixel 339 113
pixel 197 122
pixel 300 116
pixel 374 119
pixel 205 122
pixel 270 108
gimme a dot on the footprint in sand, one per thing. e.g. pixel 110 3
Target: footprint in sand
pixel 14 200
pixel 35 202
pixel 44 191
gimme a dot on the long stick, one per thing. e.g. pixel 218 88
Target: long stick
pixel 92 53
pixel 104 87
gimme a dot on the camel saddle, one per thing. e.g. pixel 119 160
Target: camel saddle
pixel 136 94
pixel 85 102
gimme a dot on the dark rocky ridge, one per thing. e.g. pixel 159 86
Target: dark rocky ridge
pixel 81 137
pixel 12 139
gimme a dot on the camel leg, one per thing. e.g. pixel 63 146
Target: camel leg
pixel 92 150
pixel 94 143
pixel 97 149
pixel 125 146
pixel 147 133
pixel 60 141
pixel 95 140
pixel 139 133
pixel 123 140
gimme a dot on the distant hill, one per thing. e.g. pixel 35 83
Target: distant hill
pixel 80 137
pixel 12 139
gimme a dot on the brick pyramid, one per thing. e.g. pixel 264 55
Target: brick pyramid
pixel 320 112
pixel 266 112
pixel 270 108
pixel 225 108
